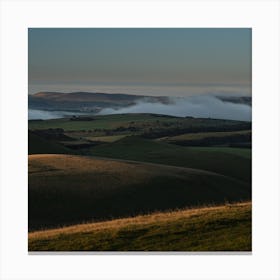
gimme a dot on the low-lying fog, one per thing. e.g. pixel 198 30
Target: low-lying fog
pixel 46 115
pixel 196 106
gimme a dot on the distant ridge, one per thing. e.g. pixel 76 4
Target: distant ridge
pixel 88 101
pixel 246 100
pixel 94 102
pixel 82 96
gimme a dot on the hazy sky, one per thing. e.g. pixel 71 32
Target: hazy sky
pixel 147 57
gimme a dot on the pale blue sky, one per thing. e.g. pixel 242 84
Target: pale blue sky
pixel 186 56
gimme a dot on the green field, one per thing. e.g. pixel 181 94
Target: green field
pixel 142 122
pixel 235 138
pixel 224 228
pixel 226 161
pixel 100 122
pixel 199 136
pixel 101 174
pixel 242 152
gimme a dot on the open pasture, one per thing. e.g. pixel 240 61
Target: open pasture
pixel 69 189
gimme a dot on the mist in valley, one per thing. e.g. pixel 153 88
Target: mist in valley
pixel 34 114
pixel 194 106
pixel 202 106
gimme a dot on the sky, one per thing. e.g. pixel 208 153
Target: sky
pixel 156 61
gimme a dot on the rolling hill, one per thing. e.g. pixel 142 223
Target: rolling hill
pixel 224 138
pixel 232 164
pixel 219 228
pixel 69 189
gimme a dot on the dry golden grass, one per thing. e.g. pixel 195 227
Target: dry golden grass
pixel 141 220
pixel 81 164
pixel 72 162
pixel 100 170
pixel 128 171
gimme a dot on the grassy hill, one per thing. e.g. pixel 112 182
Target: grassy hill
pixel 226 161
pixel 68 189
pixel 222 228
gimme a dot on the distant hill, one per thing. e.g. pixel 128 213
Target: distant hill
pixel 93 102
pixel 87 101
pixel 246 100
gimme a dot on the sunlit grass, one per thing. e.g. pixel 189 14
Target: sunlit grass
pixel 216 228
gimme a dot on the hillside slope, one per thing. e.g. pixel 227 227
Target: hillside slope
pixel 140 149
pixel 65 189
pixel 222 228
pixel 40 145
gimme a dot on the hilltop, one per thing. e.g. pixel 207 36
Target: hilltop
pixel 87 101
pixel 94 102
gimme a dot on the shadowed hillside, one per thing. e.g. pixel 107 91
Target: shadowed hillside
pixel 39 145
pixel 65 189
pixel 140 149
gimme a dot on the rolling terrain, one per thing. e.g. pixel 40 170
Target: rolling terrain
pixel 69 189
pixel 93 102
pixel 225 138
pixel 125 183
pixel 142 123
pixel 219 228
pixel 230 164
